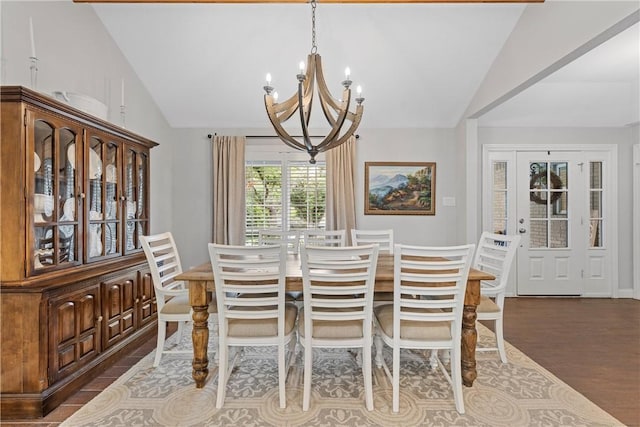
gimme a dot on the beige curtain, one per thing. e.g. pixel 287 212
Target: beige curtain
pixel 228 190
pixel 341 174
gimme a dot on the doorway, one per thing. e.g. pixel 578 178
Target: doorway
pixel 561 202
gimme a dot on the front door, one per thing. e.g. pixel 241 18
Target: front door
pixel 552 218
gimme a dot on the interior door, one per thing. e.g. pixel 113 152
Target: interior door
pixel 551 212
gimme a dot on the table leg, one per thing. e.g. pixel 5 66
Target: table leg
pixel 469 341
pixel 200 334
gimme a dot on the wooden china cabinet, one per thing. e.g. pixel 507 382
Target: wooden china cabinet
pixel 75 289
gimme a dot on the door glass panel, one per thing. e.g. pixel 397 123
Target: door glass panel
pixel 595 176
pixel 558 204
pixel 538 208
pixel 538 234
pixel 499 205
pixel 95 179
pixel 559 234
pixel 111 238
pixel 43 246
pixel 548 195
pixel 595 205
pixel 44 152
pixel 142 179
pixel 96 196
pixel 112 215
pixel 130 194
pixel 111 182
pixel 95 240
pixel 558 175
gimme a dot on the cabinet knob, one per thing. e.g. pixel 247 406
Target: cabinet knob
pixel 123 198
pixel 99 318
pixel 137 300
pixel 81 195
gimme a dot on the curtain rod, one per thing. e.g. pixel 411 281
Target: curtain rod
pixel 210 136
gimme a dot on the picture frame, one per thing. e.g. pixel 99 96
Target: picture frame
pixel 399 188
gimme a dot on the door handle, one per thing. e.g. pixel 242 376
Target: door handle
pixel 522 230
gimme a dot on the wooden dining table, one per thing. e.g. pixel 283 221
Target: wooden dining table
pixel 201 287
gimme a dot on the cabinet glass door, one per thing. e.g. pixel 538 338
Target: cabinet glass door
pixel 136 195
pixel 55 202
pixel 103 179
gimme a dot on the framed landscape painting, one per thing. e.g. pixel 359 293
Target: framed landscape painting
pixel 400 188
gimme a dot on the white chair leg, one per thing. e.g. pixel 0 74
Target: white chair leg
pixel 500 340
pixel 456 381
pixel 162 333
pixel 366 372
pixel 180 330
pixel 308 361
pixel 223 360
pixel 282 375
pixel 396 379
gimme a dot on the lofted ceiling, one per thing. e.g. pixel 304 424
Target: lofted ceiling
pixel 419 64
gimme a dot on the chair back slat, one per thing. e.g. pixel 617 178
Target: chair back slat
pixel 335 238
pixel 438 277
pixel 384 238
pixel 338 284
pixel 495 255
pixel 290 239
pixel 164 263
pixel 249 281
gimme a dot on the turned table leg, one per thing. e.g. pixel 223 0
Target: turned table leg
pixel 469 340
pixel 469 333
pixel 200 334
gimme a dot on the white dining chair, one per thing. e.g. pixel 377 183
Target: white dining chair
pixel 172 296
pixel 324 237
pixel 384 238
pixel 338 300
pixel 250 290
pixel 495 255
pixel 290 238
pixel 433 321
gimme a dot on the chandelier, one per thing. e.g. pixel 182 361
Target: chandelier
pixel 336 111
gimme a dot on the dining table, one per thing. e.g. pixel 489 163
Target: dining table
pixel 201 286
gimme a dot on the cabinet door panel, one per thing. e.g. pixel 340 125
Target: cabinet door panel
pixel 120 304
pixel 148 306
pixel 74 335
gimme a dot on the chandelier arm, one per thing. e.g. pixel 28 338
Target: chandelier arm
pixel 325 96
pixel 284 110
pixel 354 125
pixel 280 131
pixel 341 115
pixel 304 119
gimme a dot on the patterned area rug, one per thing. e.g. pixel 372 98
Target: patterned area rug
pixel 520 393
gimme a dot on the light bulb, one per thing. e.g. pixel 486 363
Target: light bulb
pixel 301 67
pixel 359 90
pixel 268 79
pixel 275 96
pixel 347 73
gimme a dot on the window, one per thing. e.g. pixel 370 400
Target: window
pixel 284 194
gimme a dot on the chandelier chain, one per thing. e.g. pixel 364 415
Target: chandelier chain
pixel 314 48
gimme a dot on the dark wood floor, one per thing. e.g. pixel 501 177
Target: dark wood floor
pixel 591 344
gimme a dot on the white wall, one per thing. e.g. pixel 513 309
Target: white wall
pixel 623 138
pixel 418 145
pixel 192 202
pixel 192 193
pixel 76 54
